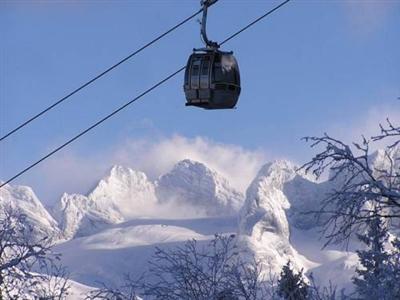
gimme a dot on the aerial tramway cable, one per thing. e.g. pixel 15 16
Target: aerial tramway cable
pixel 134 99
pixel 99 75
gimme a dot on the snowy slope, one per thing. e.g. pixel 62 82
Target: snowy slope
pixel 127 247
pixel 78 291
pixel 333 264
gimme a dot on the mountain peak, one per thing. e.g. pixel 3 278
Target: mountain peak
pixel 125 191
pixel 117 170
pixel 193 166
pixel 193 183
pixel 276 173
pixel 123 194
pixel 277 166
pixel 124 174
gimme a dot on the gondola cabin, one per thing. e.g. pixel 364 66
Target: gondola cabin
pixel 212 79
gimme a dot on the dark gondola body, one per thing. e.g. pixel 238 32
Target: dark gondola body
pixel 212 79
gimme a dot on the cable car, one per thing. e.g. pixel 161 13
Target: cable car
pixel 212 78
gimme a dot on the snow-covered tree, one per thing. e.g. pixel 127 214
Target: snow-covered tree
pixel 292 285
pixel 28 267
pixel 379 274
pixel 363 189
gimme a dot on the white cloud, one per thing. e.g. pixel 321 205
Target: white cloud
pixel 74 173
pixel 239 165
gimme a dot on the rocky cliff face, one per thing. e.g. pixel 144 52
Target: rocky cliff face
pixel 264 226
pixel 79 216
pixel 193 184
pixel 23 199
pixel 125 193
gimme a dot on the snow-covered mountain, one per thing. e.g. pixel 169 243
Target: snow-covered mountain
pixel 274 228
pixel 122 195
pixel 194 184
pixel 23 199
pixel 264 225
pixel 385 160
pixel 79 215
pixel 113 230
pixel 189 190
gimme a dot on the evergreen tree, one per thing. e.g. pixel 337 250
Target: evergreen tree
pixel 379 276
pixel 291 285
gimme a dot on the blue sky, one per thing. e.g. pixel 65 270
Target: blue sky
pixel 311 67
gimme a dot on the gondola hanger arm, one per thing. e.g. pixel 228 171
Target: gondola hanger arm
pixel 209 44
